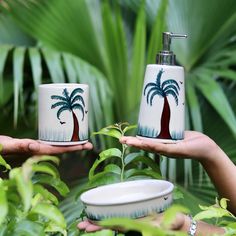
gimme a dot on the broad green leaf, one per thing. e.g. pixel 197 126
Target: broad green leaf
pixel 3 230
pixel 138 158
pixel 36 65
pixel 28 228
pixel 130 127
pixel 36 159
pixel 104 232
pixel 3 203
pixel 193 103
pixel 3 56
pixel 7 92
pixel 177 194
pixel 54 64
pixel 137 225
pixel 56 183
pixel 109 132
pixel 45 193
pixel 216 97
pixel 46 168
pixel 24 187
pixel 112 152
pixel 212 212
pixel 142 172
pixel 52 229
pixel 116 51
pixel 138 59
pixel 69 67
pixel 103 178
pixel 72 229
pixel 113 168
pixel 223 203
pixel 18 61
pixel 50 212
pixel 155 43
pixel 4 163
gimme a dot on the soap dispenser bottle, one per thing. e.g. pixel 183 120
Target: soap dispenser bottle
pixel 161 115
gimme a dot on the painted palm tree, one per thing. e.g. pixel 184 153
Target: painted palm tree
pixel 70 103
pixel 163 89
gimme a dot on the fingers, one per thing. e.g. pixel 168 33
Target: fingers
pixel 147 145
pixel 88 227
pixel 13 146
pixel 49 149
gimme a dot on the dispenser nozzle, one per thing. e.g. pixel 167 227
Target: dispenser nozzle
pixel 166 57
pixel 166 39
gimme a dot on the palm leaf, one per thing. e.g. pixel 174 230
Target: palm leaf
pixel 66 94
pixel 64 108
pixel 36 60
pixel 171 87
pixel 154 94
pixel 3 56
pixel 155 43
pixel 151 90
pixel 169 81
pixel 149 85
pixel 78 98
pixel 57 104
pixel 57 97
pixel 18 60
pixel 216 97
pixel 53 61
pixel 138 57
pixel 77 90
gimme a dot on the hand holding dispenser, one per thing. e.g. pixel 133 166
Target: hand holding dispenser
pixel 161 115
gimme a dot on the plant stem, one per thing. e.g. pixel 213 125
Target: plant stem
pixel 124 147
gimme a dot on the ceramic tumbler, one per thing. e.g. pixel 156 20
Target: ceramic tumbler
pixel 63 113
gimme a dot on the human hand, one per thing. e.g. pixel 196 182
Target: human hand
pixel 195 145
pixel 12 146
pixel 181 223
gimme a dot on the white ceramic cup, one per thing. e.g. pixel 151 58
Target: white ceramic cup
pixel 63 113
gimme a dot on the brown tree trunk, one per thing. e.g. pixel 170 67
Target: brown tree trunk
pixel 165 121
pixel 75 135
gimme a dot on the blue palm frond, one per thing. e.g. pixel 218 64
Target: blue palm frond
pixel 158 92
pixel 78 106
pixel 158 79
pixel 58 98
pixel 172 92
pixel 64 108
pixel 77 90
pixel 153 95
pixel 66 94
pixel 147 86
pixel 173 87
pixel 170 81
pixel 57 104
pixel 78 98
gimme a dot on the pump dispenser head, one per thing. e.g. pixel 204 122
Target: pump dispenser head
pixel 167 57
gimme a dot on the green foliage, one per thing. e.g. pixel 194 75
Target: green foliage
pixel 27 207
pixel 120 164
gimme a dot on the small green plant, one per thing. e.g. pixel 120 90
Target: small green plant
pixel 27 208
pixel 222 216
pixel 121 164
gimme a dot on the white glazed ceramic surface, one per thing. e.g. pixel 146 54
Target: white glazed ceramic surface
pixel 63 113
pixel 133 199
pixel 169 90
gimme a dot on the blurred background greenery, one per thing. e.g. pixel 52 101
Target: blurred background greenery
pixel 107 44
